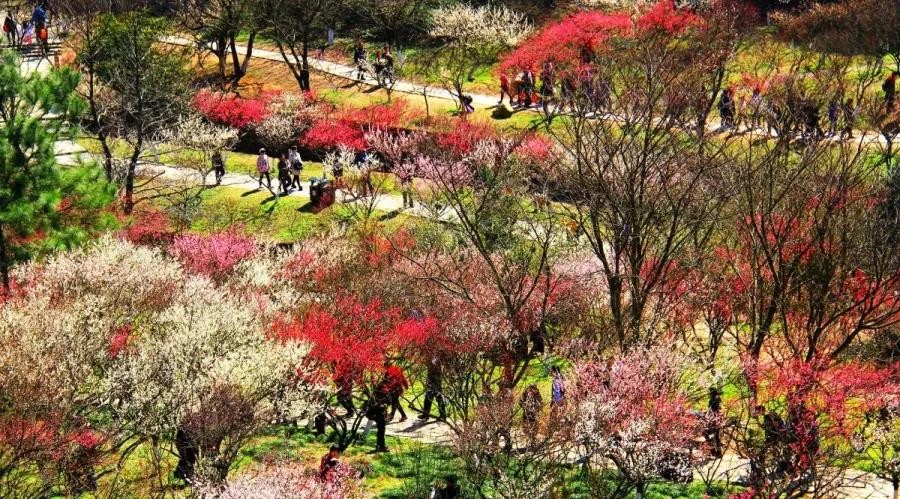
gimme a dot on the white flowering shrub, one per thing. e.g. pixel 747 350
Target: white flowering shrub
pixel 204 340
pixel 339 160
pixel 284 125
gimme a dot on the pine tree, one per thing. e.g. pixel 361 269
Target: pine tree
pixel 42 204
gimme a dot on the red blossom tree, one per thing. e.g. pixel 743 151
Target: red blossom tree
pixel 351 339
pixel 566 43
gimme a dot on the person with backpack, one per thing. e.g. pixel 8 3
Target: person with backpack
pixel 39 17
pixel 296 165
pixel 359 58
pixel 263 168
pixel 218 164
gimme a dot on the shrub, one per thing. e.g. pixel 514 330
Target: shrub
pixel 214 255
pixel 231 110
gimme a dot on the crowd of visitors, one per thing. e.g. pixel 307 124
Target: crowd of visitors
pixel 381 67
pixel 33 30
pixel 289 166
pixel 582 92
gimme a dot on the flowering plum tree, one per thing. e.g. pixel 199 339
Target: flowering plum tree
pixel 57 334
pixel 636 412
pixel 801 427
pixel 213 256
pixel 203 373
pixel 351 340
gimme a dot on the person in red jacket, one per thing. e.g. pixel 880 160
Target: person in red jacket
pixel 393 385
pixel 504 89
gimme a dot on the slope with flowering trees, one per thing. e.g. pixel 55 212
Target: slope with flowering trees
pixel 116 350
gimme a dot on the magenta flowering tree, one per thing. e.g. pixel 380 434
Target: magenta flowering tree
pixel 215 255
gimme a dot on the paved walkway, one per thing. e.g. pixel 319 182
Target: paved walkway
pixel 70 152
pixel 478 100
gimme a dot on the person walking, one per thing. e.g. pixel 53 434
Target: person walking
pixel 567 92
pixel 557 390
pixel 406 180
pixel 890 90
pixel 531 403
pixel 833 116
pixel 433 390
pixel 284 174
pixel 296 164
pixel 376 411
pixel 726 108
pixel 527 88
pixel 387 60
pixel 10 27
pixel 359 58
pixel 548 83
pixel 263 168
pixel 504 89
pixel 756 109
pixel 394 384
pixel 812 119
pixel 849 112
pixel 218 164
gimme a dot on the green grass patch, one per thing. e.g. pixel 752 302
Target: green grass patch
pixel 280 219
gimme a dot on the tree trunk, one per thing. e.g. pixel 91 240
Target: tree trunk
pixel 248 54
pixel 101 135
pixel 129 176
pixel 291 63
pixel 896 484
pixel 641 489
pixel 221 55
pixel 4 261
pixel 304 66
pixel 235 59
pixel 187 455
